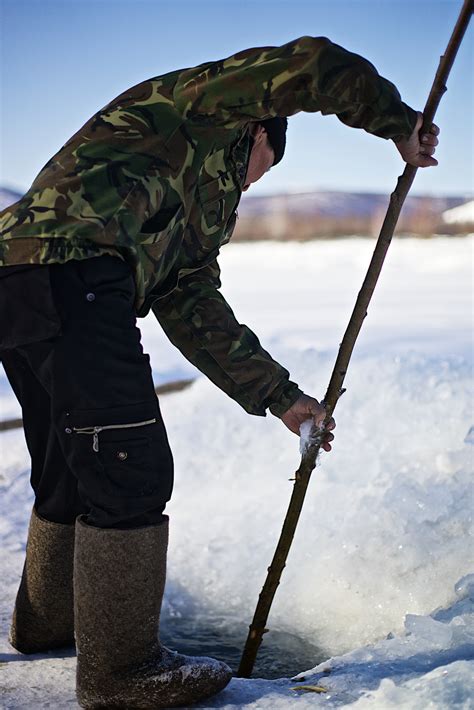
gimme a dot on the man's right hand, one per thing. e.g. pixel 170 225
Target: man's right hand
pixel 308 408
pixel 418 152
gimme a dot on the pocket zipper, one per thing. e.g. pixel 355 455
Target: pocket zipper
pixel 94 430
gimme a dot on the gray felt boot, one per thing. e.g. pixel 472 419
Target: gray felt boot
pixel 119 580
pixel 43 617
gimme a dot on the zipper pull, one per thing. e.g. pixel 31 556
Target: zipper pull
pixel 95 439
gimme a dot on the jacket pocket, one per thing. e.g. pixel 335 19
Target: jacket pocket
pixel 161 228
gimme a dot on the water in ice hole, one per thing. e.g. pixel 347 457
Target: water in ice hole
pixel 281 654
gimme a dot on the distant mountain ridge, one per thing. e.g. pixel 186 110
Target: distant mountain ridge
pixel 337 204
pixel 325 213
pixel 8 197
pixel 322 214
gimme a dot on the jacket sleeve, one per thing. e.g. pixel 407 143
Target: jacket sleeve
pixel 307 74
pixel 198 320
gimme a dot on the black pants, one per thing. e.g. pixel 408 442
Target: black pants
pixel 72 354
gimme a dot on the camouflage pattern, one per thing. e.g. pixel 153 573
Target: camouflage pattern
pixel 155 178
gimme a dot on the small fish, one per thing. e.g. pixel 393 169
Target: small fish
pixel 310 688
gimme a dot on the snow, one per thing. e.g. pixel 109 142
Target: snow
pixel 463 214
pixel 380 573
pixel 307 436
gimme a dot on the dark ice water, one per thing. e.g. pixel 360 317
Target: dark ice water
pixel 281 654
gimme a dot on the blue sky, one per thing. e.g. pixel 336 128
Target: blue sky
pixel 64 59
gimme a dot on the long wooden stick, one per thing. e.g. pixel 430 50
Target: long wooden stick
pixel 334 391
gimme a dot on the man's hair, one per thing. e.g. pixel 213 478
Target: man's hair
pixel 276 132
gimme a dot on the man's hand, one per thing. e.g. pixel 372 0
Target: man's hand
pixel 304 408
pixel 416 151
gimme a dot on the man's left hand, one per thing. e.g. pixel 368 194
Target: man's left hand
pixel 306 408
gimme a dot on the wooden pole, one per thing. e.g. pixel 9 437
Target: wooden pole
pixel 335 389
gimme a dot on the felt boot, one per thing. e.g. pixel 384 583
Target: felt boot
pixel 119 580
pixel 43 618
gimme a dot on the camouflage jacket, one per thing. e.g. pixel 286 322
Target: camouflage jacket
pixel 155 177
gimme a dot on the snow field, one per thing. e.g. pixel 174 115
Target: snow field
pixel 386 532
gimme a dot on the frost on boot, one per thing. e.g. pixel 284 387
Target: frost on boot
pixel 119 580
pixel 43 618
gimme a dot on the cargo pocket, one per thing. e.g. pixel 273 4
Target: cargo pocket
pixel 120 453
pixel 130 467
pixel 27 310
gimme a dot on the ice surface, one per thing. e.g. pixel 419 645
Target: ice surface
pixel 383 544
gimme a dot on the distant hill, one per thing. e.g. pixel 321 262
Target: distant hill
pixel 8 197
pixel 331 214
pixel 324 214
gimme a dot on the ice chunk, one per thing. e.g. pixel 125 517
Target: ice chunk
pixel 470 436
pixel 465 587
pixel 309 435
pixel 428 629
pixel 305 435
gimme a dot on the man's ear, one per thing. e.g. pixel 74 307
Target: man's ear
pixel 258 133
